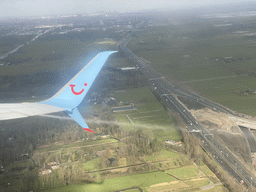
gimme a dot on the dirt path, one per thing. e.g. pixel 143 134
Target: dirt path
pixel 210 186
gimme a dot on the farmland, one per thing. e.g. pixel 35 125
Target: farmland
pixel 128 150
pixel 217 62
pixel 40 68
pixel 184 175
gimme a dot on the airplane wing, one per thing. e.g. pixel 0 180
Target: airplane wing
pixel 66 99
pixel 20 110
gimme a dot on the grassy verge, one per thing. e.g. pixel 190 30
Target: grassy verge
pixel 209 174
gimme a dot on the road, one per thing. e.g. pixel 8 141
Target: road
pixel 168 91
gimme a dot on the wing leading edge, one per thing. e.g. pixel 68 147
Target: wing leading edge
pixel 66 99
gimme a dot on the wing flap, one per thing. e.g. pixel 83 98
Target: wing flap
pixel 11 115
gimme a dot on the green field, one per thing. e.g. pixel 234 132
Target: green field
pixel 184 69
pixel 149 114
pixel 163 155
pixel 142 180
pixel 213 61
pixel 91 165
pixel 74 51
pixel 185 173
pixel 189 177
pixel 224 91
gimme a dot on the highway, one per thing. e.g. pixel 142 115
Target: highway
pixel 222 155
pixel 168 91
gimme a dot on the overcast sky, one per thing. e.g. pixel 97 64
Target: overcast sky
pixel 14 8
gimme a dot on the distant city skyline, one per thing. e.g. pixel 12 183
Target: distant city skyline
pixel 17 8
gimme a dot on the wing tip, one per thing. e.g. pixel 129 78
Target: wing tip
pixel 87 129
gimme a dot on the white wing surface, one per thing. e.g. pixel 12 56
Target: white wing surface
pixel 20 110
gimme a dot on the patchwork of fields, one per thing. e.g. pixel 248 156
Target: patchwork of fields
pixel 172 171
pixel 174 177
pixel 218 65
pixel 216 62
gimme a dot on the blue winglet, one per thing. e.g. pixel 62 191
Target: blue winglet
pixel 72 94
pixel 79 119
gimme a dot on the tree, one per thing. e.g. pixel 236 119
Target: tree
pixel 103 161
pixel 122 162
pixel 238 92
pixel 30 180
pixel 37 158
pixel 156 145
pixel 73 156
pixel 77 171
pixel 108 153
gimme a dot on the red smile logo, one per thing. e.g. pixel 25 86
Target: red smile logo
pixel 77 93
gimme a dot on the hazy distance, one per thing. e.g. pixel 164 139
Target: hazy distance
pixel 17 8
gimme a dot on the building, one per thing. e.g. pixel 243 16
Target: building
pixel 45 172
pixel 54 165
pixel 123 108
